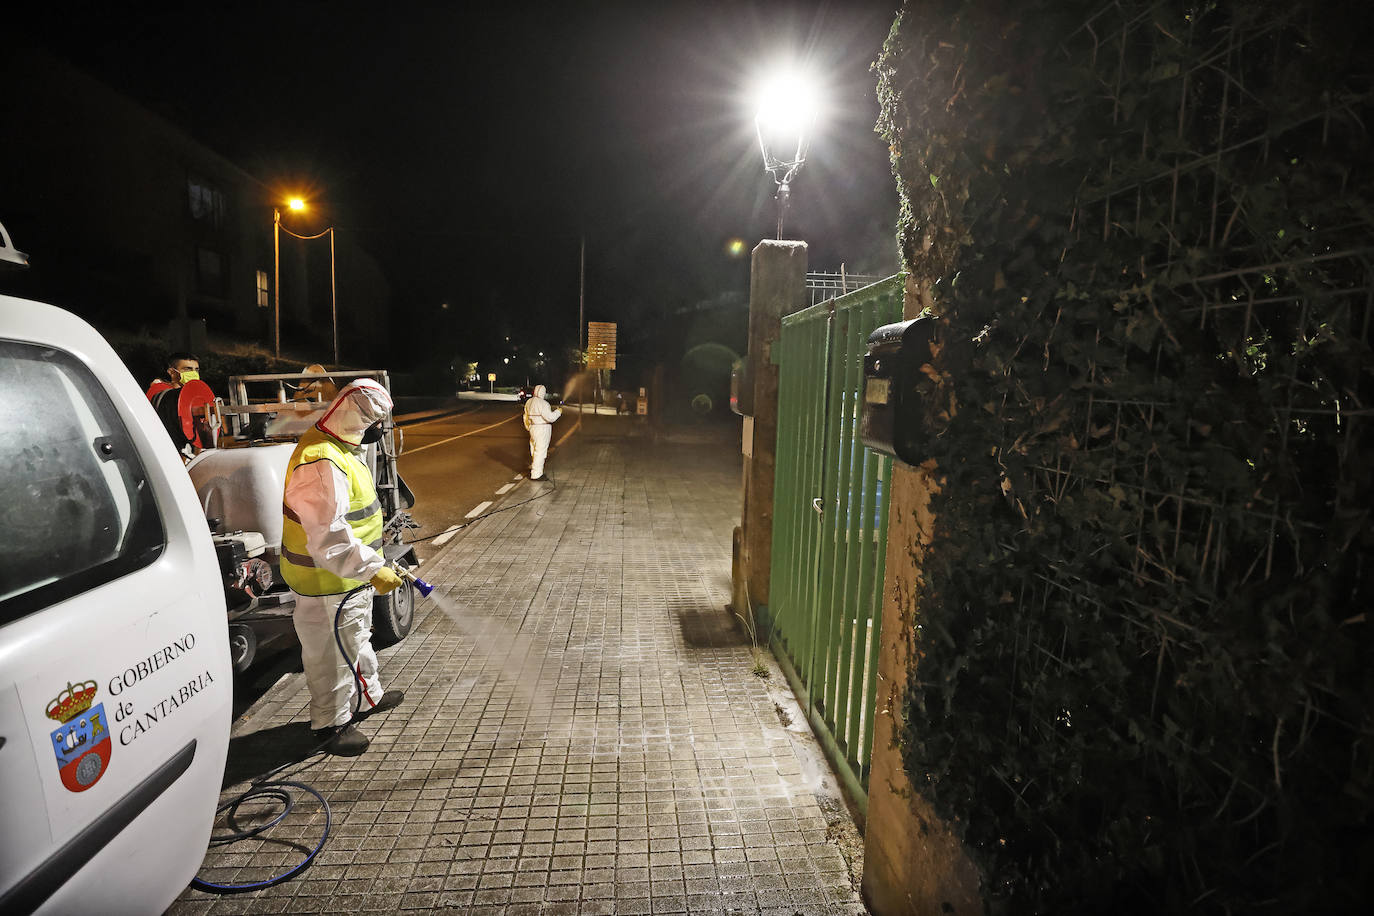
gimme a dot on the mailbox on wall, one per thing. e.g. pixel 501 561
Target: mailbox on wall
pixel 889 417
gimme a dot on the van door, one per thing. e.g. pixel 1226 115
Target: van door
pixel 115 688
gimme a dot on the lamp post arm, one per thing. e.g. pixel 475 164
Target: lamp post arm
pixel 307 238
pixel 333 295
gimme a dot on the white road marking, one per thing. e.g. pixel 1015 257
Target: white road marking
pixel 444 538
pixel 572 429
pixel 447 416
pixel 411 451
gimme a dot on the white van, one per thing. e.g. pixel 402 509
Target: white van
pixel 115 679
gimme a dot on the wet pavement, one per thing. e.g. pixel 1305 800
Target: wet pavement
pixel 582 732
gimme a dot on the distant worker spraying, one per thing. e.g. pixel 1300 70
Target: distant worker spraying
pixel 331 545
pixel 539 420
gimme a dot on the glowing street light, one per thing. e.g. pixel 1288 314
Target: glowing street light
pixel 297 204
pixel 785 113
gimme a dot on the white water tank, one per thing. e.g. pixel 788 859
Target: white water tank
pixel 243 486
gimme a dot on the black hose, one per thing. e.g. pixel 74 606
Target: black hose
pixel 265 787
pixel 338 640
pixel 278 791
pixel 262 787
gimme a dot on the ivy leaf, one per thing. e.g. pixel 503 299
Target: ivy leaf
pixel 1142 329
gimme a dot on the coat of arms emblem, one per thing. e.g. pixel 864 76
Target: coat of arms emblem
pixel 82 741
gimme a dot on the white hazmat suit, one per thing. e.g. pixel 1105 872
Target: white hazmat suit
pixel 318 494
pixel 539 420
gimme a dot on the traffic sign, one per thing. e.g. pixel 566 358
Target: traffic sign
pixel 601 345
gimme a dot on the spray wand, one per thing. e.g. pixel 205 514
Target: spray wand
pixel 420 585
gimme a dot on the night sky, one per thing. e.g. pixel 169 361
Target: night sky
pixel 470 151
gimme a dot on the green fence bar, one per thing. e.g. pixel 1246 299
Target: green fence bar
pixel 796 531
pixel 830 525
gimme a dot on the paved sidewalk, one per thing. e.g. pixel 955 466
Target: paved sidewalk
pixel 583 735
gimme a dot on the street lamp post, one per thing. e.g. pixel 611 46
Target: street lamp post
pixel 333 297
pixel 783 119
pixel 294 203
pixel 276 282
pixel 298 204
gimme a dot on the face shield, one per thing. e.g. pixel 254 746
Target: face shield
pixel 361 404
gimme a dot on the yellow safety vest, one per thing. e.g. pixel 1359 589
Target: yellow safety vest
pixel 364 516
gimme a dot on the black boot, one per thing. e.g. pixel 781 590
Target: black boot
pixel 390 700
pixel 343 740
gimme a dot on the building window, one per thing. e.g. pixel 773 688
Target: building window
pixel 262 289
pixel 206 201
pixel 210 272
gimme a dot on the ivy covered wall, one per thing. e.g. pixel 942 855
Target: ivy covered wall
pixel 1144 678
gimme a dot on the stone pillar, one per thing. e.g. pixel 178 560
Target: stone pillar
pixel 777 287
pixel 913 863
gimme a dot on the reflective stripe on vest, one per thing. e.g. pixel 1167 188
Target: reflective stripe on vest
pixel 364 517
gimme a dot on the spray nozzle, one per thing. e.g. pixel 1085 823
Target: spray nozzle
pixel 420 585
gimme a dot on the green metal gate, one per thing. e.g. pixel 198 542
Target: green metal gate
pixel 830 525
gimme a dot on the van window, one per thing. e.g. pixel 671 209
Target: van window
pixel 76 509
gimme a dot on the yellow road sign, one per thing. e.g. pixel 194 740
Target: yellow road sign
pixel 601 345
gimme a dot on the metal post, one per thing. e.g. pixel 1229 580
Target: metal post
pixel 276 281
pixel 581 292
pixel 784 195
pixel 333 300
pixel 581 307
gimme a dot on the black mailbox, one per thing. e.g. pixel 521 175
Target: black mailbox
pixel 889 419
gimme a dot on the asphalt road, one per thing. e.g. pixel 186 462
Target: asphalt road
pixel 455 463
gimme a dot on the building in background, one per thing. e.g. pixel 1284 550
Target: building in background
pixel 135 226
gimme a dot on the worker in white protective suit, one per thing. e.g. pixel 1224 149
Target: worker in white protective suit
pixel 539 420
pixel 331 548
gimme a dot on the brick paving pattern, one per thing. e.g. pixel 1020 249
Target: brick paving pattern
pixel 583 735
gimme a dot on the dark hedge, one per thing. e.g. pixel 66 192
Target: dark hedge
pixel 1144 230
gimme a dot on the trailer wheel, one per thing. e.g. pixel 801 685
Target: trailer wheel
pixel 243 646
pixel 392 616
